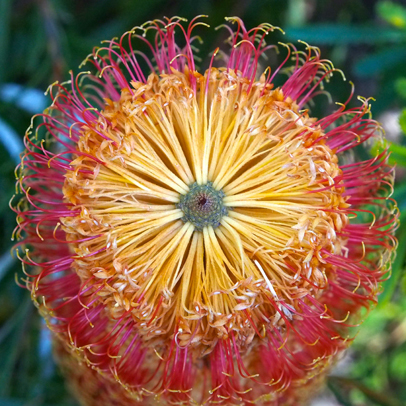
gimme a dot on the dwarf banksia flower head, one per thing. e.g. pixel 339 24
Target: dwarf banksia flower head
pixel 197 236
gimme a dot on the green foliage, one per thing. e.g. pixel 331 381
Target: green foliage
pixel 393 13
pixel 380 61
pixel 400 86
pixel 402 121
pixel 329 34
pixel 398 152
pixel 379 348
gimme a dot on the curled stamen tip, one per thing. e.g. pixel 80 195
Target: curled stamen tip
pixel 340 71
pixel 305 43
pixel 50 87
pixel 203 24
pixel 280 29
pixel 178 18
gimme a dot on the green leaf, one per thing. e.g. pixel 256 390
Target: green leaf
pixel 380 61
pixel 339 393
pixel 400 86
pixel 296 13
pixel 398 366
pixel 393 13
pixel 389 286
pixel 11 402
pixel 334 34
pixel 6 262
pixel 397 152
pixel 378 398
pixel 402 121
pixel 400 196
pixel 21 320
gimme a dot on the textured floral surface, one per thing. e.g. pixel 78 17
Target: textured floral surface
pixel 251 309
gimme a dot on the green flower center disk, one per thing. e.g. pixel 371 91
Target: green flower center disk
pixel 203 206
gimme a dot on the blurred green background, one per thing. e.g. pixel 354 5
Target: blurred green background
pixel 40 40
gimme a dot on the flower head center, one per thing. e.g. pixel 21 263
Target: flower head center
pixel 203 206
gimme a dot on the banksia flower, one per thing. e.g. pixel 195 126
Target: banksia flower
pixel 197 236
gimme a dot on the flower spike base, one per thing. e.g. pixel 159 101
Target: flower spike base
pixel 197 237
